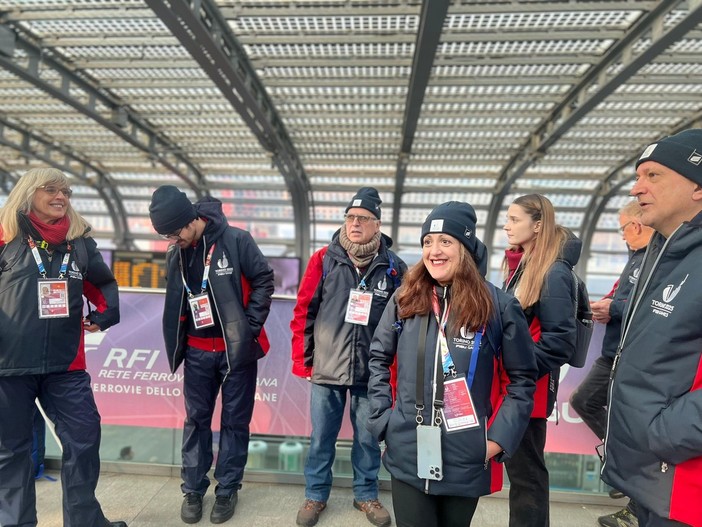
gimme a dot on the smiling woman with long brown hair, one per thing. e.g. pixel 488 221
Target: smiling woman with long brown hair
pixel 450 333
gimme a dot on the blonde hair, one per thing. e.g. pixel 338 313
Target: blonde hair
pixel 547 247
pixel 22 196
pixel 471 301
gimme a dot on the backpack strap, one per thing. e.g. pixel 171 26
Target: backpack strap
pixel 326 266
pixel 81 251
pixel 392 271
pixel 9 252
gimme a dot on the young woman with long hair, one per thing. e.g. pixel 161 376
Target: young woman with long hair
pixel 537 266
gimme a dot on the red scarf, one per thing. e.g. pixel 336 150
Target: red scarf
pixel 513 259
pixel 54 233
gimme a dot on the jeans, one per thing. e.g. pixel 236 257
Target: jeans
pixel 326 411
pixel 528 479
pixel 68 401
pixel 590 398
pixel 204 375
pixel 414 508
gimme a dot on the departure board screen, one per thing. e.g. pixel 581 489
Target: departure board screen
pixel 139 268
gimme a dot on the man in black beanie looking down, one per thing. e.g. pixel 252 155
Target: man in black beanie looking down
pixel 653 446
pixel 342 295
pixel 218 295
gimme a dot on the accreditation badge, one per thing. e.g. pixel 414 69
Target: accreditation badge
pixel 52 298
pixel 458 411
pixel 359 307
pixel 201 309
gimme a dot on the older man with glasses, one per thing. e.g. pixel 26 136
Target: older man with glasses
pixel 218 296
pixel 342 295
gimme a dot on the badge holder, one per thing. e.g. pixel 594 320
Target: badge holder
pixel 358 307
pixel 458 411
pixel 201 310
pixel 52 297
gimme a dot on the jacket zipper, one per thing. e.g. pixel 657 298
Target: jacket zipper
pixel 214 301
pixel 636 293
pixel 372 266
pixel 487 459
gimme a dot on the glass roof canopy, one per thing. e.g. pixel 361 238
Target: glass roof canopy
pixel 283 109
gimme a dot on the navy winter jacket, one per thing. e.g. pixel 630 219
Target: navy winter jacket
pixel 653 447
pixel 502 393
pixel 236 258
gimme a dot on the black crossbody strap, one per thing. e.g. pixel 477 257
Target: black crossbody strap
pixel 421 351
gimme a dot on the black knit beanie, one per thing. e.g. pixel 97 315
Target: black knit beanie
pixel 681 152
pixel 366 198
pixel 457 219
pixel 170 209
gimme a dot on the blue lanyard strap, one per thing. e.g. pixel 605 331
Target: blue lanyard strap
pixel 40 264
pixel 474 357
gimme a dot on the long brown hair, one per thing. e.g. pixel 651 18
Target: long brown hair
pixel 471 301
pixel 547 247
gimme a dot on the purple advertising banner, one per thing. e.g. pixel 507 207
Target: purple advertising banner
pixel 133 385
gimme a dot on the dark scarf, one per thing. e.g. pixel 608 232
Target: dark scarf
pixel 361 254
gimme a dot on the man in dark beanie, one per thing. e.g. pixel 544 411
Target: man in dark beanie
pixel 342 295
pixel 218 295
pixel 653 446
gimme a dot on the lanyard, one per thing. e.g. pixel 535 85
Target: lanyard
pixel 40 264
pixel 362 284
pixel 446 360
pixel 439 397
pixel 474 357
pixel 205 274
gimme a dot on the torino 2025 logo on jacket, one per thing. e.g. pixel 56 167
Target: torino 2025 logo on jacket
pixel 381 288
pixel 466 339
pixel 665 307
pixel 223 266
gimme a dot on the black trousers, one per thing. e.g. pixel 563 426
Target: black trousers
pixel 68 401
pixel 590 398
pixel 414 508
pixel 528 479
pixel 205 373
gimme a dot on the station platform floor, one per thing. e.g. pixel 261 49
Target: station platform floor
pixel 154 501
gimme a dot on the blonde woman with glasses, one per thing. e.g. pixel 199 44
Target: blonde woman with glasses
pixel 47 263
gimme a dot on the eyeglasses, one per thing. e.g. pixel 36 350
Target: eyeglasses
pixel 52 190
pixel 350 218
pixel 172 236
pixel 621 229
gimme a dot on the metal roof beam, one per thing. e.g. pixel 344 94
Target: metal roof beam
pixel 431 23
pixel 64 158
pixel 201 29
pixel 382 37
pixel 127 124
pixel 404 9
pixel 594 88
